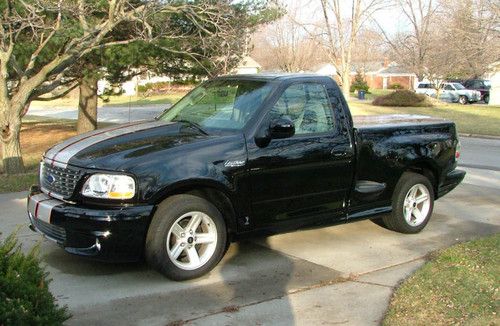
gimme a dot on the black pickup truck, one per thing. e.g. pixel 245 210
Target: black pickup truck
pixel 239 156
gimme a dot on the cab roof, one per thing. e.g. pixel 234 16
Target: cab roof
pixel 273 76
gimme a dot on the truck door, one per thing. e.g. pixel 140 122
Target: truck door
pixel 307 176
pixel 448 93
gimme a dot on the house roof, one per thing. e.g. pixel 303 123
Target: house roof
pixel 394 69
pixel 370 66
pixel 248 62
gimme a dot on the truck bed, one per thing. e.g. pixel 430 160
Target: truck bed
pixel 389 144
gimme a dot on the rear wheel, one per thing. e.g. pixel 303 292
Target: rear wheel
pixel 463 100
pixel 412 204
pixel 186 238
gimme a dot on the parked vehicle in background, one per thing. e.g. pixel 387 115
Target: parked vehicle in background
pixel 480 85
pixel 426 88
pixel 450 92
pixel 456 92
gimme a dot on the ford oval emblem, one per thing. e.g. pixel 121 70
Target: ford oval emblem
pixel 51 179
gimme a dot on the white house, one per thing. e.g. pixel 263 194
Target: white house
pixel 326 69
pixel 494 77
pixel 247 65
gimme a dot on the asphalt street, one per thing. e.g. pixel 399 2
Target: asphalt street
pixel 337 275
pixel 113 114
pixel 480 153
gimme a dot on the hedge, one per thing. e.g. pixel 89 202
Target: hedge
pixel 25 298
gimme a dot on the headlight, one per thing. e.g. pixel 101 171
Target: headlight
pixel 109 186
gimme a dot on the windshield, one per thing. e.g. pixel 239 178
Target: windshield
pixel 220 104
pixel 487 84
pixel 458 86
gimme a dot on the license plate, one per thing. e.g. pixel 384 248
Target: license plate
pixel 40 206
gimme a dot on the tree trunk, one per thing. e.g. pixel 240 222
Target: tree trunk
pixel 346 83
pixel 87 105
pixel 11 146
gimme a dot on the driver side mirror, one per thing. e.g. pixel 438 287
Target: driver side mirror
pixel 282 127
pixel 278 129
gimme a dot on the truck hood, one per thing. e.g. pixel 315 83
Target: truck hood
pixel 117 148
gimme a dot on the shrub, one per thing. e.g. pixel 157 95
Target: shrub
pixel 359 83
pixel 403 98
pixel 395 86
pixel 24 294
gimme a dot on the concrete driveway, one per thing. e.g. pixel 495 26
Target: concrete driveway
pixel 343 274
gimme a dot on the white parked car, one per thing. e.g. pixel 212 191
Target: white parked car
pixel 456 92
pixel 426 89
pixel 450 92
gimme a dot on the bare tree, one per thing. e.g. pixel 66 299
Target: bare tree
pixel 412 47
pixel 447 38
pixel 342 23
pixel 285 45
pixel 370 47
pixel 42 23
pixel 472 35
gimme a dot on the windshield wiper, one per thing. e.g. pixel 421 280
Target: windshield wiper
pixel 193 124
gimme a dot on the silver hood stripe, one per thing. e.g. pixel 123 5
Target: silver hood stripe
pixel 52 152
pixel 71 147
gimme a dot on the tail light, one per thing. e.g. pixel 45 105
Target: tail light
pixel 457 150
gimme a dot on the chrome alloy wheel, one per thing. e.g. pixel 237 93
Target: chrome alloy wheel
pixel 417 205
pixel 192 240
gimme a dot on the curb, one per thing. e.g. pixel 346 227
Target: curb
pixel 479 136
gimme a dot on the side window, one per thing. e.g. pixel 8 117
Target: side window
pixel 308 105
pixel 449 88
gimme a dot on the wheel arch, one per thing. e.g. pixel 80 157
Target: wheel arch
pixel 428 170
pixel 213 191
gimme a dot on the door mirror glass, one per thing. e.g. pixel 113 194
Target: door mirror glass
pixel 282 127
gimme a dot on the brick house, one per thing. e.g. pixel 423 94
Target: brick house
pixel 382 75
pixel 378 74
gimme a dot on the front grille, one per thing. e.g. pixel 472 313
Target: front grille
pixel 59 181
pixel 52 231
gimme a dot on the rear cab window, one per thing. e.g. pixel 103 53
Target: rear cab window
pixel 309 107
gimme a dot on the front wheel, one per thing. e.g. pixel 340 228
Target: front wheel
pixel 412 204
pixel 463 100
pixel 486 99
pixel 187 237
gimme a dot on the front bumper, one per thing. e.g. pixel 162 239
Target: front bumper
pixel 452 179
pixel 113 234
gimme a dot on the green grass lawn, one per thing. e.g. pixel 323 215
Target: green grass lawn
pixel 458 286
pixel 470 119
pixel 37 135
pixel 373 94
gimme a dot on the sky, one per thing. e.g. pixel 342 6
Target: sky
pixel 390 19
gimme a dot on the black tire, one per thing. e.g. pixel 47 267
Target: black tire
pixel 396 220
pixel 486 99
pixel 168 212
pixel 463 100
